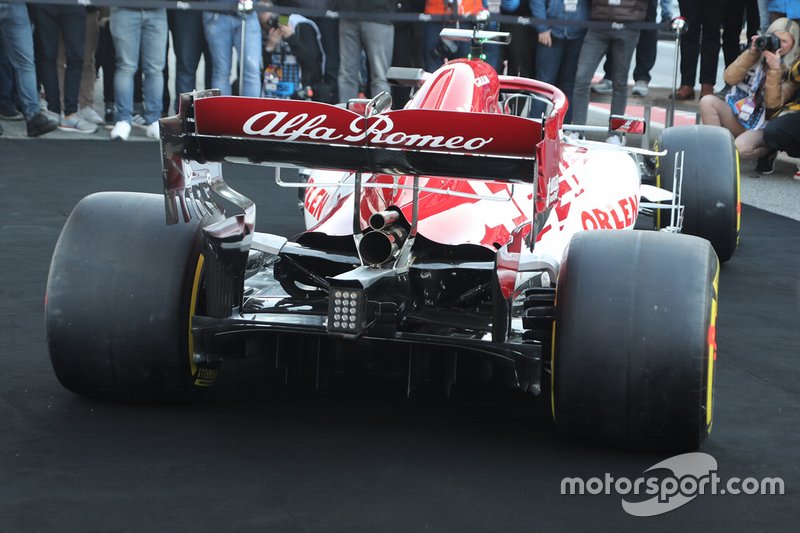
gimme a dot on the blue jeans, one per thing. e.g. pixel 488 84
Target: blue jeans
pixel 557 65
pixel 132 29
pixel 17 36
pixel 667 13
pixel 619 45
pixel 224 34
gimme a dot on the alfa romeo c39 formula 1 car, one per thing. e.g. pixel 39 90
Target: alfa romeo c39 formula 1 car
pixel 464 237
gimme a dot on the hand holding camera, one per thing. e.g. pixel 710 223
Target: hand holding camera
pixel 769 42
pixel 769 47
pixel 277 28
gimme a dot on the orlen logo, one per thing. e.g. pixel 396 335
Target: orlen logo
pixel 379 129
pixel 621 215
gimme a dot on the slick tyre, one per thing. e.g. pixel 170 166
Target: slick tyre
pixel 710 190
pixel 634 340
pixel 120 296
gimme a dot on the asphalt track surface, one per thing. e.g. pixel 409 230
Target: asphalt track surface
pixel 258 456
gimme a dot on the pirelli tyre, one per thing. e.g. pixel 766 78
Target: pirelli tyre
pixel 710 189
pixel 634 340
pixel 122 288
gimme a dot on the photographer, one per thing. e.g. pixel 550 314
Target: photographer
pixel 293 57
pixel 759 89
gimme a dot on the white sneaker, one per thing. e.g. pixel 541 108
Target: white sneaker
pixel 90 115
pixel 640 88
pixel 121 131
pixel 152 130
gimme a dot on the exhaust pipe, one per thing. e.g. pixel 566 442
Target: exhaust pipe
pixel 382 219
pixel 381 245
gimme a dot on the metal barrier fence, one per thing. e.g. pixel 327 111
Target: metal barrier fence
pixel 356 15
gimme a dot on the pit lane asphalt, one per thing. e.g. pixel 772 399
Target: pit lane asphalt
pixel 257 456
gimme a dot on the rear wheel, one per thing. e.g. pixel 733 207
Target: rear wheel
pixel 710 189
pixel 122 289
pixel 634 339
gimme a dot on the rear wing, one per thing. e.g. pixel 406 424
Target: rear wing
pixel 322 136
pixel 210 129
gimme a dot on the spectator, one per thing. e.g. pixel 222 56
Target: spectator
pixel 189 43
pixel 782 133
pixel 89 72
pixel 522 50
pixel 67 22
pixel 701 39
pixel 17 37
pixel 105 58
pixel 732 21
pixel 619 44
pixel 646 50
pixel 375 38
pixel 407 50
pixel 293 56
pixel 138 32
pixel 224 33
pixel 759 89
pixel 559 46
pixel 645 59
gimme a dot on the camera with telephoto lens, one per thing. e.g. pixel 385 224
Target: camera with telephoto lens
pixel 768 42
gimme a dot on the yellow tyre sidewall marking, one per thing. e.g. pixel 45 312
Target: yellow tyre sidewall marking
pixel 712 348
pixel 192 309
